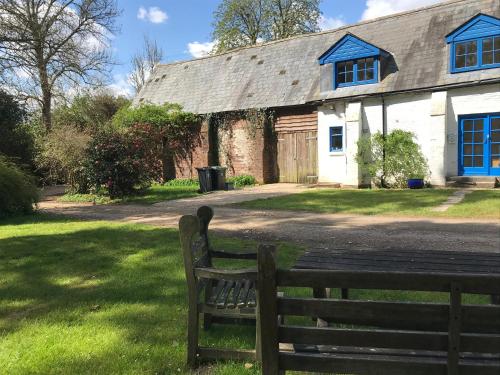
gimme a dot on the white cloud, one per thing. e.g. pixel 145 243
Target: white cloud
pixel 379 8
pixel 197 49
pixel 328 23
pixel 121 86
pixel 152 14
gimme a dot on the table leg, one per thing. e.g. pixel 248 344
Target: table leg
pixel 345 293
pixel 321 293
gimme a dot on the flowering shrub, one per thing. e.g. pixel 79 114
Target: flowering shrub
pixel 123 162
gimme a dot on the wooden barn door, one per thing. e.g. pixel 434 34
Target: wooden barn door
pixel 298 157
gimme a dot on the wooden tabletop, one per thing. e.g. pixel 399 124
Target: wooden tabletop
pixel 401 260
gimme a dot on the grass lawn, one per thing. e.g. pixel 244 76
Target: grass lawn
pixel 154 194
pixel 100 298
pixel 107 298
pixel 480 203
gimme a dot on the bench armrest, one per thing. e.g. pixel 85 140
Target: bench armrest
pixel 230 255
pixel 218 274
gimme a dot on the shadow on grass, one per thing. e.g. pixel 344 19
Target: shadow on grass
pixel 95 297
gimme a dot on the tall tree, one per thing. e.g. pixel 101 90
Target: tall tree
pixel 239 23
pixel 143 63
pixel 48 48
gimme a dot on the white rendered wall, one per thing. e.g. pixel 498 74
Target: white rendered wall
pixel 467 101
pixel 432 117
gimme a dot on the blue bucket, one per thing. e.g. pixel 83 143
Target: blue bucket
pixel 415 183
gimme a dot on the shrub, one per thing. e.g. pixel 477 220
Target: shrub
pixel 403 158
pixel 120 163
pixel 61 157
pixel 182 182
pixel 18 191
pixel 242 180
pixel 180 131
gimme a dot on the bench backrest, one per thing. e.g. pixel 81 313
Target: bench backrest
pixel 382 337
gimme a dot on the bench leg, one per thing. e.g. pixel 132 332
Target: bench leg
pixel 495 300
pixel 193 327
pixel 345 293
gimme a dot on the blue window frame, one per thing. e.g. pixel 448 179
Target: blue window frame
pixel 356 72
pixel 475 45
pixel 476 54
pixel 336 138
pixel 479 145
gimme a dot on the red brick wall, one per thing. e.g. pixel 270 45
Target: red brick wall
pixel 199 157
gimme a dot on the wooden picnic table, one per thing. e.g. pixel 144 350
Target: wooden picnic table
pixel 427 261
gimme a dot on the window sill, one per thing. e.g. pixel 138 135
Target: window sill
pixel 336 153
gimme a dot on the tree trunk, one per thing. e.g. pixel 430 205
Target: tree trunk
pixel 168 163
pixel 46 94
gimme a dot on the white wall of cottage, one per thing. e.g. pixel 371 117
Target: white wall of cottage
pixel 432 117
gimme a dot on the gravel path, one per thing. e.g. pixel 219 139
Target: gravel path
pixel 308 229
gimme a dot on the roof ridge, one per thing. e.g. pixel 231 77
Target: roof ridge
pixel 444 3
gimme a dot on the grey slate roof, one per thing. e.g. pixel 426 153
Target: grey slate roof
pixel 287 73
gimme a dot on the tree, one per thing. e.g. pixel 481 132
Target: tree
pixel 144 62
pixel 239 23
pixel 180 131
pixel 49 47
pixel 16 141
pixel 88 112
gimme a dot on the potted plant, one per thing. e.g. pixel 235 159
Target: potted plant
pixel 416 182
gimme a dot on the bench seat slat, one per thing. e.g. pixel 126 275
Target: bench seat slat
pixel 368 364
pixel 390 339
pixel 414 281
pixel 396 315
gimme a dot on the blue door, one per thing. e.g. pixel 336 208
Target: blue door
pixel 479 146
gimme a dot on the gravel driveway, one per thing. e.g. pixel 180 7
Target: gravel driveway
pixel 308 229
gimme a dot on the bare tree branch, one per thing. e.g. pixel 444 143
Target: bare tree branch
pixel 144 62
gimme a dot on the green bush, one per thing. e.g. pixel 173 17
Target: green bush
pixel 182 182
pixel 403 159
pixel 18 191
pixel 242 180
pixel 121 163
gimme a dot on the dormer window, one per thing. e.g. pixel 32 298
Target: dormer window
pixel 475 45
pixel 355 62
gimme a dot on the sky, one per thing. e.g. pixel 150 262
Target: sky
pixel 182 28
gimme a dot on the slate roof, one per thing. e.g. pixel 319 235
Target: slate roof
pixel 287 72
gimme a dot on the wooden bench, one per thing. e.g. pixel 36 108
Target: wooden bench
pixel 218 295
pixel 377 337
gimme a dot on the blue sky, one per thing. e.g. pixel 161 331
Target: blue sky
pixel 182 27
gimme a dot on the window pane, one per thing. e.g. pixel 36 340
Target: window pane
pixel 460 62
pixel 467 149
pixel 337 143
pixel 370 74
pixel 471 47
pixel 340 66
pixel 488 44
pixel 495 149
pixel 468 137
pixel 497 57
pixel 349 65
pixel 495 162
pixel 468 125
pixel 341 78
pixel 495 136
pixel 495 124
pixel 471 60
pixel 361 75
pixel 467 161
pixel 478 137
pixel 349 77
pixel 337 130
pixel 487 58
pixel 479 125
pixel 497 42
pixel 478 150
pixel 370 62
pixel 478 161
pixel 460 49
